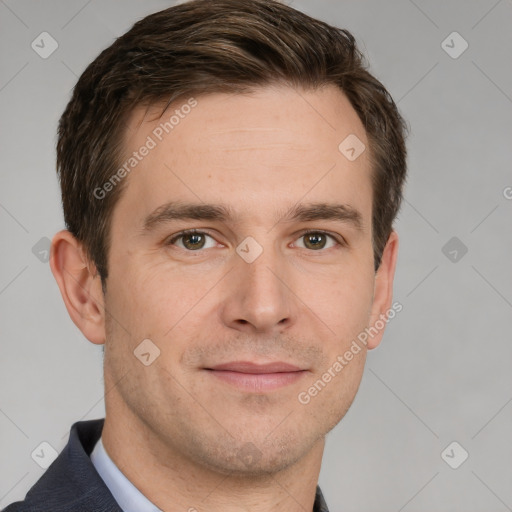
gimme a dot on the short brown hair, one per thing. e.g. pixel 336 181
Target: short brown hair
pixel 205 46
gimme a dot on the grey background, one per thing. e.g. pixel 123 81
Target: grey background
pixel 442 372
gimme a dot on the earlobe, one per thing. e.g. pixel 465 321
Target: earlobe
pixel 80 286
pixel 383 291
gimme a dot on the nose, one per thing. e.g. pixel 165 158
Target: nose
pixel 258 296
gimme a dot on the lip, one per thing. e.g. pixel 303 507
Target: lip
pixel 254 368
pixel 257 378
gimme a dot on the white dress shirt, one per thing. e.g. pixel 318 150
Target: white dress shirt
pixel 129 498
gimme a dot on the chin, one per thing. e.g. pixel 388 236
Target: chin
pixel 268 456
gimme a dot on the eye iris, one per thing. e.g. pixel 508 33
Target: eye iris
pixel 193 237
pixel 315 238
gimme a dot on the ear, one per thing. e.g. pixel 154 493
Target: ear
pixel 383 290
pixel 80 286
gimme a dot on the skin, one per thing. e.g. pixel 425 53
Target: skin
pixel 178 432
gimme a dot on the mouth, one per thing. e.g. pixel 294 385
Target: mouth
pixel 257 378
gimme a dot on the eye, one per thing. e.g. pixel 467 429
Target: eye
pixel 318 240
pixel 191 240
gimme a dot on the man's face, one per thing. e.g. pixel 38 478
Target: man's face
pixel 211 306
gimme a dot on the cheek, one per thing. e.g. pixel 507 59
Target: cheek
pixel 343 300
pixel 167 305
pixel 346 310
pixel 146 297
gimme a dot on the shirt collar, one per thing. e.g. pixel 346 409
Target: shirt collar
pixel 130 499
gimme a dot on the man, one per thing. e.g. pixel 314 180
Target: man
pixel 230 174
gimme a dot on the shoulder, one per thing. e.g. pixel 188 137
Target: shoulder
pixel 71 483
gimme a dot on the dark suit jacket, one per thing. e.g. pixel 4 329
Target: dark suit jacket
pixel 72 484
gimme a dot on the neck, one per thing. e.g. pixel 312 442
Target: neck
pixel 174 482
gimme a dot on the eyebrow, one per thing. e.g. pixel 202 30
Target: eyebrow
pixel 176 210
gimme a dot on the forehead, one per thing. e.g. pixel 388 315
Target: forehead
pixel 302 119
pixel 274 145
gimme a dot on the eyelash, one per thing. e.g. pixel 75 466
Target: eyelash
pixel 338 240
